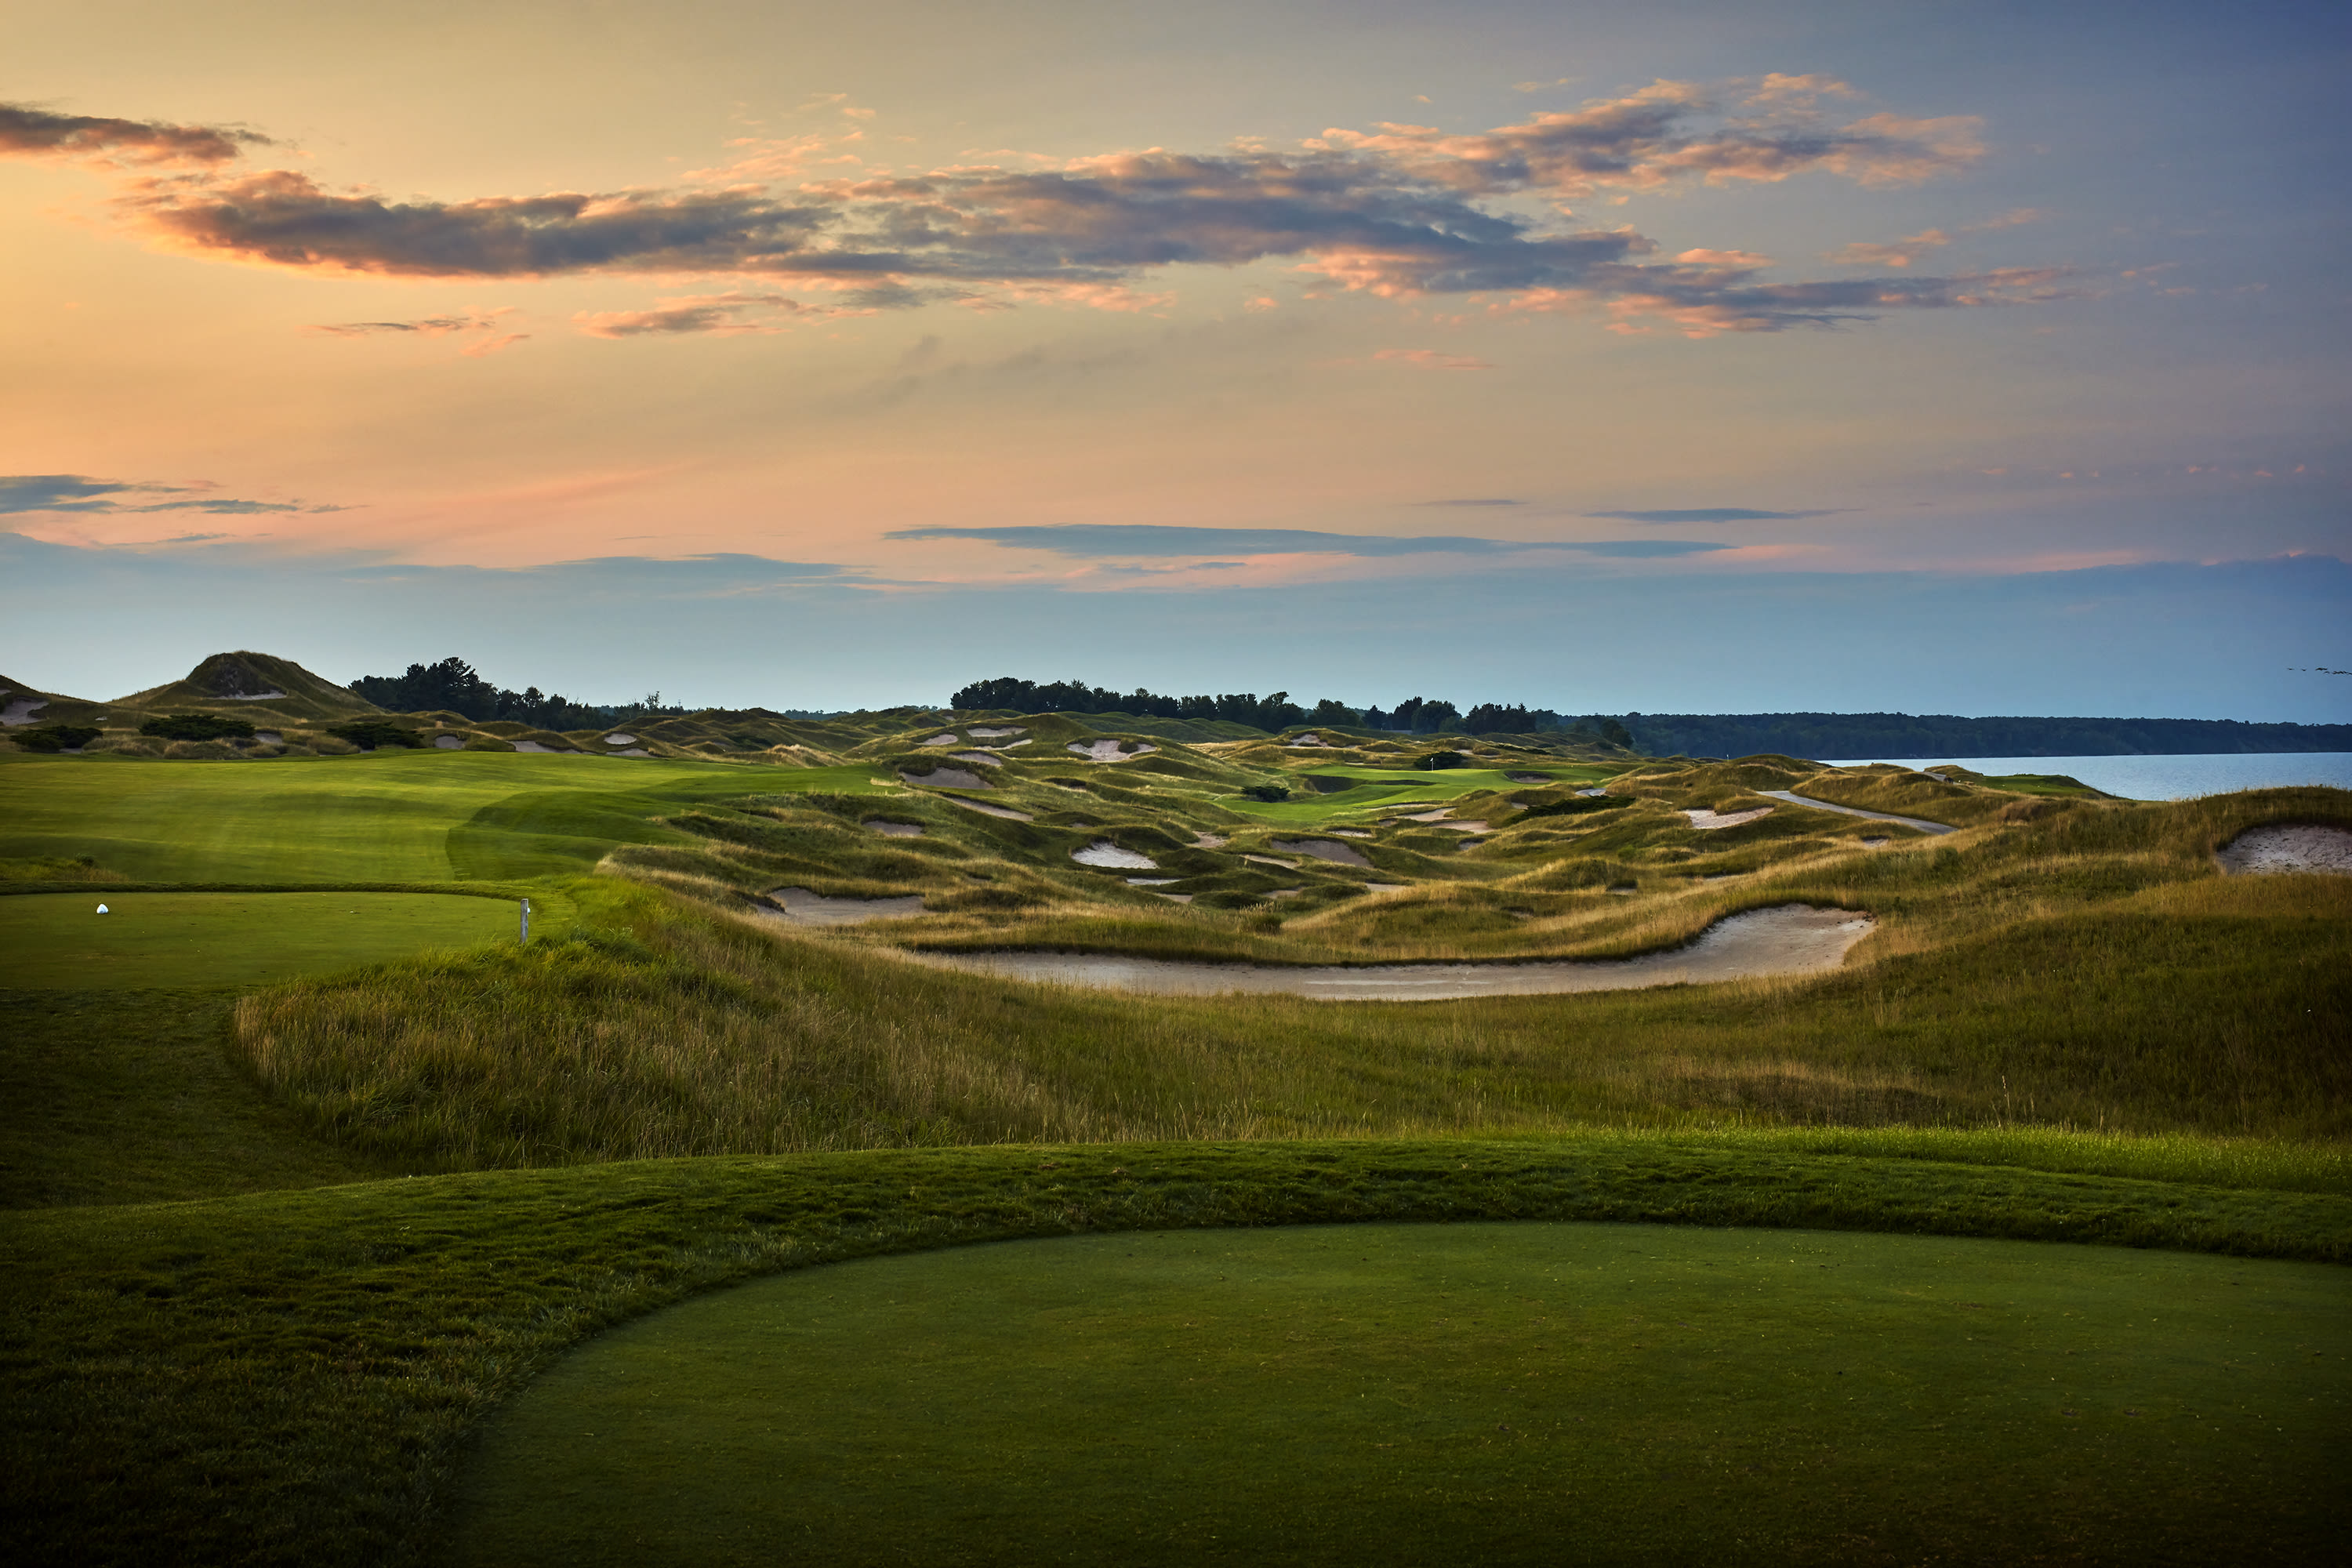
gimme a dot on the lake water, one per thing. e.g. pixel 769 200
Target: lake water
pixel 2162 778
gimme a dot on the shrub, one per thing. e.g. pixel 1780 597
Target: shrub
pixel 56 737
pixel 367 735
pixel 1270 793
pixel 197 727
pixel 1437 760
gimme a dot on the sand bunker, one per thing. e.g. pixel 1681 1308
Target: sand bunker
pixel 1710 821
pixel 532 746
pixel 1103 852
pixel 895 829
pixel 991 758
pixel 2289 847
pixel 632 751
pixel 805 908
pixel 988 732
pixel 270 737
pixel 1595 793
pixel 946 778
pixel 21 711
pixel 1110 751
pixel 1270 860
pixel 947 740
pixel 1920 822
pixel 1791 938
pixel 442 742
pixel 1152 881
pixel 1209 840
pixel 1349 833
pixel 1528 778
pixel 984 809
pixel 1872 843
pixel 617 739
pixel 1322 850
pixel 249 695
pixel 1306 741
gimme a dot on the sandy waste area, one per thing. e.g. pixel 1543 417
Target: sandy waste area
pixel 2289 847
pixel 1791 938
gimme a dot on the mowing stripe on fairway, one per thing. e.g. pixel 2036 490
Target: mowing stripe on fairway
pixel 1416 1394
pixel 59 941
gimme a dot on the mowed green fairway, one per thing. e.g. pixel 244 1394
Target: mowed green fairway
pixel 1520 1392
pixel 59 941
pixel 1393 789
pixel 410 817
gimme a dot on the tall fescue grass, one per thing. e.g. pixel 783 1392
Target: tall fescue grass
pixel 2204 1008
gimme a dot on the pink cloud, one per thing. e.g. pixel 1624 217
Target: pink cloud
pixel 1431 359
pixel 1901 253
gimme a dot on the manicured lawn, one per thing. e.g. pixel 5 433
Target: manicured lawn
pixel 1423 1393
pixel 59 940
pixel 294 1377
pixel 413 817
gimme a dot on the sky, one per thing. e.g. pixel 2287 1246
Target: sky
pixel 1973 358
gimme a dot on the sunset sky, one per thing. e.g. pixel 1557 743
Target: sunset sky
pixel 1976 358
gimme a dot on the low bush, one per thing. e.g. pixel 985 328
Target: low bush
pixel 1270 793
pixel 197 727
pixel 56 737
pixel 367 735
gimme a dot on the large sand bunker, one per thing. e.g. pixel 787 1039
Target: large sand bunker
pixel 946 778
pixel 1110 751
pixel 947 740
pixel 1791 938
pixel 1103 852
pixel 992 732
pixel 800 905
pixel 440 742
pixel 2289 847
pixel 1922 824
pixel 21 711
pixel 617 739
pixel 1711 821
pixel 1322 850
pixel 989 758
pixel 984 809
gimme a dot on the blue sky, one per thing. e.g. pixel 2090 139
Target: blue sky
pixel 1668 357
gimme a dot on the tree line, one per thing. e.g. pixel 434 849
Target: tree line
pixel 455 685
pixel 1414 715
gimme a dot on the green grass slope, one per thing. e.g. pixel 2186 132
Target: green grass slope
pixel 293 1377
pixel 1504 1394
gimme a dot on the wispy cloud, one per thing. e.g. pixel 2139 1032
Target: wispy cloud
pixel 26 131
pixel 1713 514
pixel 21 493
pixel 1400 210
pixel 1125 540
pixel 485 326
pixel 1431 359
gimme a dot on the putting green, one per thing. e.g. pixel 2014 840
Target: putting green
pixel 59 940
pixel 411 817
pixel 1476 1392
